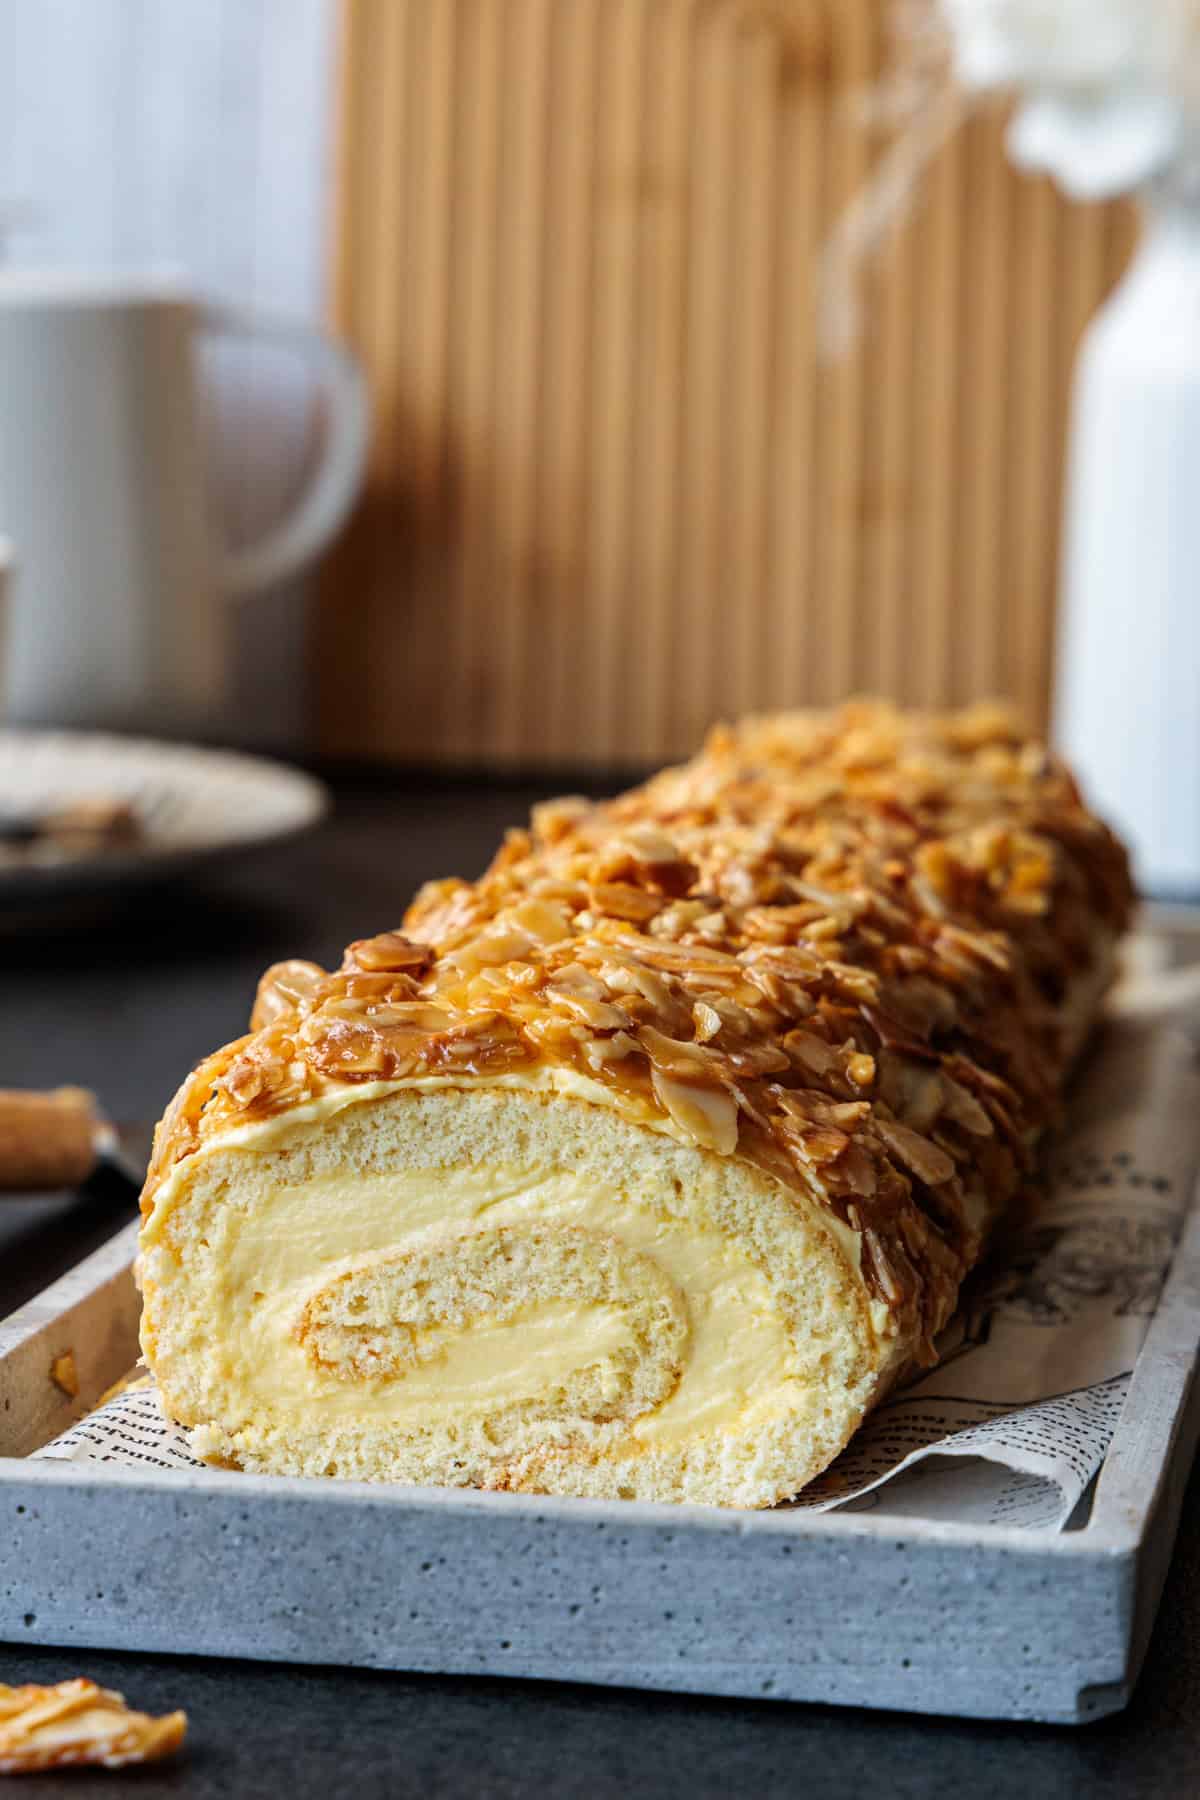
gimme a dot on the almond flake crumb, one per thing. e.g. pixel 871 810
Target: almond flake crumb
pixel 77 1724
pixel 64 1374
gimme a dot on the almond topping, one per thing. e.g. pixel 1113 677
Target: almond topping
pixel 812 1051
pixel 546 921
pixel 707 1021
pixel 709 1115
pixel 287 988
pixel 620 900
pixel 390 950
pixel 927 1162
pixel 555 819
pixel 500 944
pixel 674 1056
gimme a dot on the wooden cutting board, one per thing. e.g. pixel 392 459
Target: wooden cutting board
pixel 614 491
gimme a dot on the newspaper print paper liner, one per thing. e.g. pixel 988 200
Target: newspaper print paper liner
pixel 1015 1420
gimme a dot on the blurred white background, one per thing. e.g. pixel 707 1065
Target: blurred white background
pixel 192 134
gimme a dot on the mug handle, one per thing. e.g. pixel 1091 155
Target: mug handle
pixel 322 507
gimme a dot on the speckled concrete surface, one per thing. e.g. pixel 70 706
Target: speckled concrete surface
pixel 260 1732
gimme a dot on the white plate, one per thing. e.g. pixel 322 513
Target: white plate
pixel 193 805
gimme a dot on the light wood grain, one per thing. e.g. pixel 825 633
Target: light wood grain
pixel 615 491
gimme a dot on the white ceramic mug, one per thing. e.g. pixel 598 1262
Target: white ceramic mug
pixel 104 494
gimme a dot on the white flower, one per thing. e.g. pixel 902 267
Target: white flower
pixel 1047 43
pixel 1100 105
pixel 1096 148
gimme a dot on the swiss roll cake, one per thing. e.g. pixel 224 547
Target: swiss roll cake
pixel 643 1166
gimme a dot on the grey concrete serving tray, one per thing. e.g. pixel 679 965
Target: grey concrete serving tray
pixel 851 1608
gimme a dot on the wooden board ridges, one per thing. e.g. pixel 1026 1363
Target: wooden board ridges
pixel 614 490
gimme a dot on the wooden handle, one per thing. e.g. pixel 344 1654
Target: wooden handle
pixel 47 1140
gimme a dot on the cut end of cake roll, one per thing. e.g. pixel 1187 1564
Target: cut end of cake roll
pixel 485 1287
pixel 643 1166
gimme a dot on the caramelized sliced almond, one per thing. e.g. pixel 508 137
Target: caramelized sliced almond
pixel 77 1724
pixel 709 1115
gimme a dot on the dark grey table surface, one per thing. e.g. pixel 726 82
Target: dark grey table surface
pixel 124 1002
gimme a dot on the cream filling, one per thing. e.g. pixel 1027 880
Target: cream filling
pixel 266 1134
pixel 499 1361
pixel 271 1258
